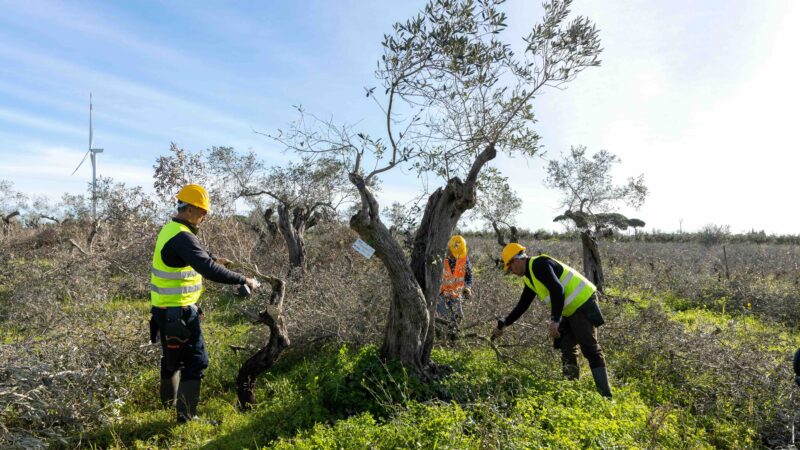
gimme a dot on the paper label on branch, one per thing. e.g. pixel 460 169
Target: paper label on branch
pixel 363 248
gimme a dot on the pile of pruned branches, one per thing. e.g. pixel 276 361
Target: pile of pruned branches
pixel 74 323
pixel 68 339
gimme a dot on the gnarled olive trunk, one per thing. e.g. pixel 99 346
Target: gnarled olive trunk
pixel 7 223
pixel 441 216
pixel 501 239
pixel 500 234
pixel 514 234
pixel 92 234
pixel 265 358
pixel 407 324
pixel 442 213
pixel 415 284
pixel 592 264
pixel 292 227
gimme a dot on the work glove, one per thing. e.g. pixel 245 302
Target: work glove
pixel 552 330
pixel 467 293
pixel 498 331
pixel 496 334
pixel 250 284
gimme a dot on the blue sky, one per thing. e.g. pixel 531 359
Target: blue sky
pixel 701 97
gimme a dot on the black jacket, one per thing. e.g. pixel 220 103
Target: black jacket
pixel 184 249
pixel 548 271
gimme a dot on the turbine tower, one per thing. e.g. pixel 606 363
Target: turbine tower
pixel 93 152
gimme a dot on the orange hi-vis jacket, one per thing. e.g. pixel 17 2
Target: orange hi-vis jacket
pixel 453 280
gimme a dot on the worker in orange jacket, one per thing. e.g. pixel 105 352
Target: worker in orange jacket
pixel 456 281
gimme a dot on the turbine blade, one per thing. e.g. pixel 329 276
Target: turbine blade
pixel 81 163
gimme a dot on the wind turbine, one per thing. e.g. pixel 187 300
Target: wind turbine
pixel 93 152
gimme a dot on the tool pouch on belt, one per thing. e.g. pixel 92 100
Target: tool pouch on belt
pixel 177 335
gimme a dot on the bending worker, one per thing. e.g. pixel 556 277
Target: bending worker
pixel 179 265
pixel 456 281
pixel 574 313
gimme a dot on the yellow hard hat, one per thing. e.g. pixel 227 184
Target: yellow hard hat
pixel 509 251
pixel 457 246
pixel 195 195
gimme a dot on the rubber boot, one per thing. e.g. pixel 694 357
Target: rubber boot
pixel 601 381
pixel 168 390
pixel 188 397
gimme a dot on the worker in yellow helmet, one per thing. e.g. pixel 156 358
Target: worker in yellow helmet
pixel 574 313
pixel 176 281
pixel 456 281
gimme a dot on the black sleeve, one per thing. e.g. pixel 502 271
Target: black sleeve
pixel 524 303
pixel 189 249
pixel 468 274
pixel 544 269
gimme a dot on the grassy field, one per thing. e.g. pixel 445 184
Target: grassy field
pixel 689 370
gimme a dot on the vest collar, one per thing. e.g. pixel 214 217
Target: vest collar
pixel 193 228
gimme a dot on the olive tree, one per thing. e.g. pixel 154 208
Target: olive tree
pixel 12 203
pixel 497 205
pixel 41 208
pixel 304 193
pixel 222 171
pixel 175 170
pixel 591 200
pixel 404 220
pixel 452 94
pixel 121 208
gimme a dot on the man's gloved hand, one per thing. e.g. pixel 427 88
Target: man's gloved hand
pixel 467 293
pixel 252 283
pixel 498 330
pixel 496 334
pixel 552 330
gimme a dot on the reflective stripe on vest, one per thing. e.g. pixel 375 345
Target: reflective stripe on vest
pixel 453 280
pixel 172 286
pixel 176 290
pixel 577 289
pixel 173 275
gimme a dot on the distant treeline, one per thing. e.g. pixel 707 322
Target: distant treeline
pixel 708 235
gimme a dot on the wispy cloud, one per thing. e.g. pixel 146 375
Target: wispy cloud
pixel 46 170
pixel 16 117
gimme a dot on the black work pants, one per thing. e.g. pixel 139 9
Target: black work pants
pixel 191 358
pixel 580 331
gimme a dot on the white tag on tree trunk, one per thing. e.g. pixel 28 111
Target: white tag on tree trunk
pixel 363 248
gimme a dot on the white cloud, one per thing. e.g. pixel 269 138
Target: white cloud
pixel 46 171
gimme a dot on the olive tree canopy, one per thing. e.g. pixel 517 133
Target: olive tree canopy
pixel 591 200
pixel 452 94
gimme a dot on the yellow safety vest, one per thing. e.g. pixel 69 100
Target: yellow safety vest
pixel 173 286
pixel 577 289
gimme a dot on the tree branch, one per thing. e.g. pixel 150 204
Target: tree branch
pixel 256 194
